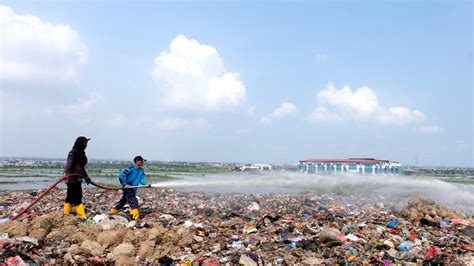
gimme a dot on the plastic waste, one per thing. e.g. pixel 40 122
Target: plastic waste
pixel 253 207
pixel 17 260
pixel 297 228
pixel 405 246
pixel 393 223
pixel 99 218
pixel 460 222
pixel 432 252
pixel 247 261
pixel 412 236
pixel 445 221
pixel 353 251
pixel 236 244
pixel 352 237
pixel 250 229
pixel 3 236
pixel 389 244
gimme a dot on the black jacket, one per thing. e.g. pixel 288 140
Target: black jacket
pixel 76 162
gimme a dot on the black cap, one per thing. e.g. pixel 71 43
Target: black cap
pixel 138 158
pixel 82 138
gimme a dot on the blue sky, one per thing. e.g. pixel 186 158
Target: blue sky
pixel 239 82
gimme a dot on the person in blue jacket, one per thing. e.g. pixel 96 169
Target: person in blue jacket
pixel 131 176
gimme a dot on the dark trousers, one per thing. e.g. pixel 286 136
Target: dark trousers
pixel 74 193
pixel 128 195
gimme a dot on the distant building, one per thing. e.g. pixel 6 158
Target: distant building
pixel 350 165
pixel 254 167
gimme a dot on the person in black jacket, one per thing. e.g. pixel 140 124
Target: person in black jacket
pixel 75 172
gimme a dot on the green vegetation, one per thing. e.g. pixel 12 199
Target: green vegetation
pixel 460 180
pixel 154 170
pixel 440 172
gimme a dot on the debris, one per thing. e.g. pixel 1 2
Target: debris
pixel 166 217
pixel 253 207
pixel 405 246
pixel 99 218
pixel 29 240
pixel 165 261
pixel 313 261
pixel 393 223
pixel 427 222
pixel 433 251
pixel 352 237
pixel 460 222
pixel 194 228
pixel 17 260
pixel 188 223
pixel 330 237
pixel 468 231
pixel 246 261
pixel 389 244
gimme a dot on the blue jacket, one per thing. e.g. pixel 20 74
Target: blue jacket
pixel 132 176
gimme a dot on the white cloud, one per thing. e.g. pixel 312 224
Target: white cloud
pixel 321 114
pixel 284 110
pixel 429 129
pixel 399 116
pixel 38 52
pixel 363 101
pixel 193 76
pixel 362 105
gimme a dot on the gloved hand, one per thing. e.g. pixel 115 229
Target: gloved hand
pixel 149 185
pixel 87 179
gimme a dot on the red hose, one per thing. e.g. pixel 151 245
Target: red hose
pixel 40 197
pixel 53 186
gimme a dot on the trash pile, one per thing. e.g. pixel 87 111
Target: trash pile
pixel 183 228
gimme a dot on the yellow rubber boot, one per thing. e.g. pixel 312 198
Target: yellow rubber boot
pixel 67 208
pixel 114 211
pixel 81 211
pixel 135 214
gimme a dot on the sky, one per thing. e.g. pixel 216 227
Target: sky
pixel 267 81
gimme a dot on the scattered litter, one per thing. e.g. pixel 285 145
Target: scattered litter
pixel 393 223
pixel 405 246
pixel 433 252
pixel 194 228
pixel 253 207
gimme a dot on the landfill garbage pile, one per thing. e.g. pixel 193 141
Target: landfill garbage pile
pixel 182 228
